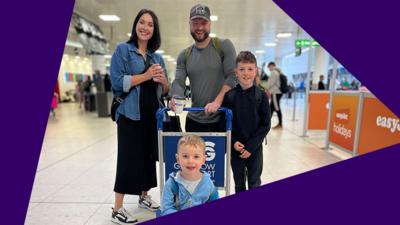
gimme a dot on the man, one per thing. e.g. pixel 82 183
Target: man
pixel 209 64
pixel 321 85
pixel 273 89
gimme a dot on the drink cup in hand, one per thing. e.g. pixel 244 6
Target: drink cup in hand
pixel 179 104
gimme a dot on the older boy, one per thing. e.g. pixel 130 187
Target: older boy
pixel 251 122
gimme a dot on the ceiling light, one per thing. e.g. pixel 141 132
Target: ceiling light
pixel 213 35
pixel 129 34
pixel 109 18
pixel 171 59
pixel 160 51
pixel 283 35
pixel 166 56
pixel 270 44
pixel 214 18
pixel 107 56
pixel 260 51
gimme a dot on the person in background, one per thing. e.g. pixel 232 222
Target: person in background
pixel 98 81
pixel 292 89
pixel 345 84
pixel 138 71
pixel 273 89
pixel 328 83
pixel 80 91
pixel 263 75
pixel 107 83
pixel 54 104
pixel 302 87
pixel 321 85
pixel 87 85
pixel 354 84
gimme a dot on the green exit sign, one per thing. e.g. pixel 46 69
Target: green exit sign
pixel 305 43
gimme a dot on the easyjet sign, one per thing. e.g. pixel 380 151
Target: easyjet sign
pixel 389 123
pixel 343 120
pixel 342 115
pixel 379 128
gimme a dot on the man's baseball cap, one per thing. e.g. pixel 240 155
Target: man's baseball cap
pixel 200 11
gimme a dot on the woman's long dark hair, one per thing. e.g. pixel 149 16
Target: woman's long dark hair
pixel 155 41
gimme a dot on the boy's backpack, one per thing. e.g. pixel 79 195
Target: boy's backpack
pixel 216 43
pixel 284 84
pixel 258 97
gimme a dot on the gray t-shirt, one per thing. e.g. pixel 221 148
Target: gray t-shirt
pixel 207 75
pixel 189 185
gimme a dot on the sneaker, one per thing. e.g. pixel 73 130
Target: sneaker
pixel 122 217
pixel 147 203
pixel 277 127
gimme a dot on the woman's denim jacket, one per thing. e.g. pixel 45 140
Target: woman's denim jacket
pixel 125 63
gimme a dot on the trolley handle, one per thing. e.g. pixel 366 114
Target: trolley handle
pixel 162 111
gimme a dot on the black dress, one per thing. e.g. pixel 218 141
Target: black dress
pixel 137 145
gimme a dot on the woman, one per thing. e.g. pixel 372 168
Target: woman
pixel 136 69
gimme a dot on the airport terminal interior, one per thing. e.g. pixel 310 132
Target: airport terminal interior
pixel 76 172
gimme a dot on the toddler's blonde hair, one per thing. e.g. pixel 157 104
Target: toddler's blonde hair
pixel 193 141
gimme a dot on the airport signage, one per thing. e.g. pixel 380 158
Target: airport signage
pixel 305 43
pixel 380 127
pixel 343 121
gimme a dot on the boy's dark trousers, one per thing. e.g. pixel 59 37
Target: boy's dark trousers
pixel 250 168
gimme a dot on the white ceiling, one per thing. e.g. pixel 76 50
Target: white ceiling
pixel 249 24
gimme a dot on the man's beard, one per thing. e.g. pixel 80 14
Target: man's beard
pixel 205 36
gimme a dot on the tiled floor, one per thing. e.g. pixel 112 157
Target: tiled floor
pixel 76 171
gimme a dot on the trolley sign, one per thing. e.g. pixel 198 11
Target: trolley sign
pixel 218 150
pixel 215 151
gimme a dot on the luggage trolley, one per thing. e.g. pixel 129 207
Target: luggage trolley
pixel 218 150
